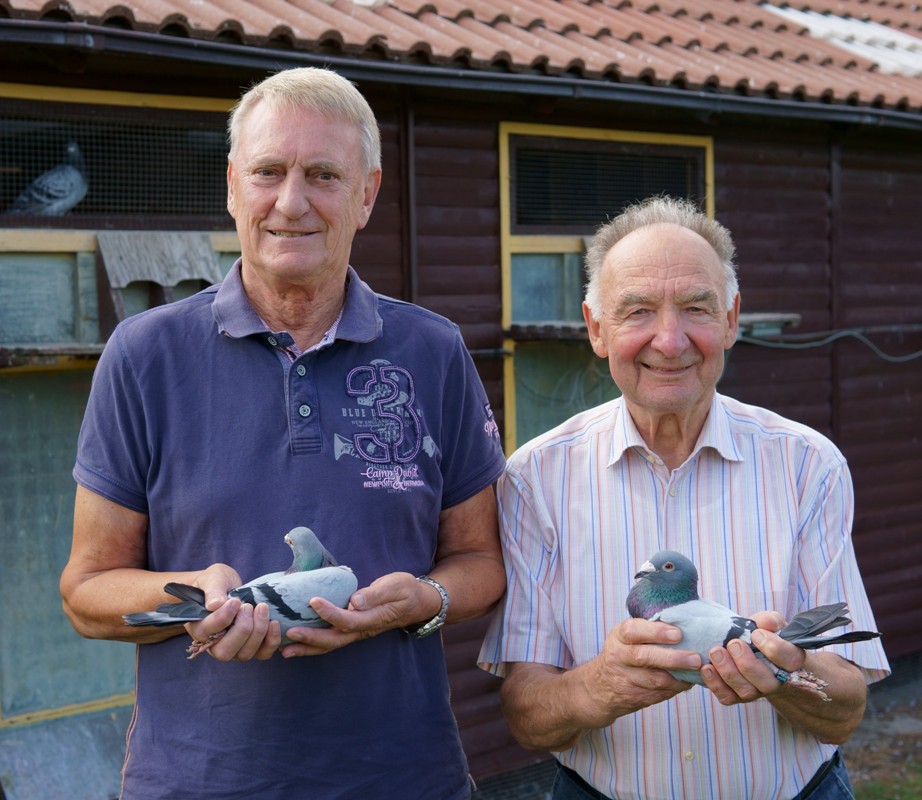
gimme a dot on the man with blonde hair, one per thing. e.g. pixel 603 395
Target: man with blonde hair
pixel 290 394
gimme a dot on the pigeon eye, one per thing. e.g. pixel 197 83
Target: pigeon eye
pixel 669 566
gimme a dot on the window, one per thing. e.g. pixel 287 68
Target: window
pixel 560 185
pixel 142 168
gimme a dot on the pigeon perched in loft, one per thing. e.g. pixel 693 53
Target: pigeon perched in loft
pixel 313 573
pixel 666 590
pixel 57 191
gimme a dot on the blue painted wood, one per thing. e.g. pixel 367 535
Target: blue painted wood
pixel 78 758
pixel 44 664
pixel 37 297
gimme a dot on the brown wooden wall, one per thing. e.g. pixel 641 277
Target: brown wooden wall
pixel 826 225
pixel 878 405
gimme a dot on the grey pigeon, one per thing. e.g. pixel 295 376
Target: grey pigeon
pixel 313 573
pixel 57 191
pixel 666 590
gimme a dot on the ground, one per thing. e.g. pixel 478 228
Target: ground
pixel 887 747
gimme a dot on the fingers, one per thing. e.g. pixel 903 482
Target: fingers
pixel 737 675
pixel 769 620
pixel 216 581
pixel 734 674
pixel 630 672
pixel 389 602
pixel 249 632
pixel 316 641
pixel 222 617
pixel 643 640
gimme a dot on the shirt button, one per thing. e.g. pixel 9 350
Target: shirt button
pixel 305 410
pixel 273 341
pixel 672 492
pixel 689 756
pixel 301 370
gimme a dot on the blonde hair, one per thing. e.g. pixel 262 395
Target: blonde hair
pixel 654 211
pixel 320 90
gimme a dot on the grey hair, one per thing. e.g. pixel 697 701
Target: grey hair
pixel 655 211
pixel 320 90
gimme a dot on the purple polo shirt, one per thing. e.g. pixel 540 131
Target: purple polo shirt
pixel 194 420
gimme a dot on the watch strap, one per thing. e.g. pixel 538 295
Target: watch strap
pixel 434 624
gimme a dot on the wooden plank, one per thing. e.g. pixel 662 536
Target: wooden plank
pixel 162 258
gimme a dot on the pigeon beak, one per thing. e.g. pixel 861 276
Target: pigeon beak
pixel 645 569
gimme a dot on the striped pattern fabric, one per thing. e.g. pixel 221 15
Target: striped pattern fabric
pixel 763 507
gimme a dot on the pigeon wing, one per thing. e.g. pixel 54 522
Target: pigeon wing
pixel 52 193
pixel 289 596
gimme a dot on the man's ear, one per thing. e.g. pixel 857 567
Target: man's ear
pixel 372 184
pixel 733 322
pixel 230 188
pixel 599 346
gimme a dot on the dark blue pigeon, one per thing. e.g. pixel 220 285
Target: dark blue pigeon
pixel 313 573
pixel 57 191
pixel 666 590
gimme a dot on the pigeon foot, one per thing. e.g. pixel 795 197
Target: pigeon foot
pixel 197 648
pixel 803 679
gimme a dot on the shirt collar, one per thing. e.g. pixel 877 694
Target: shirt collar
pixel 236 318
pixel 715 434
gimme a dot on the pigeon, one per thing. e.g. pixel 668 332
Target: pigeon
pixel 313 573
pixel 666 590
pixel 57 191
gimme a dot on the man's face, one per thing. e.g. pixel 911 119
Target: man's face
pixel 298 193
pixel 664 326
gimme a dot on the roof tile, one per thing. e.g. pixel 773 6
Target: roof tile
pixel 733 46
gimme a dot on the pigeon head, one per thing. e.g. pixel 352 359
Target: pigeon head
pixel 666 580
pixel 74 157
pixel 308 553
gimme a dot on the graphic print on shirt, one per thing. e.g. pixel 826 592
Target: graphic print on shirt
pixel 390 435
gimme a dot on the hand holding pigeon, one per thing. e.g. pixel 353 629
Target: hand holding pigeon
pixel 667 591
pixel 313 573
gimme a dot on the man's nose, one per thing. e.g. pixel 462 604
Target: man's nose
pixel 670 336
pixel 292 199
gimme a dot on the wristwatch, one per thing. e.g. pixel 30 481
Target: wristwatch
pixel 434 624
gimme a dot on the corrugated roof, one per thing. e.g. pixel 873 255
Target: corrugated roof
pixel 854 52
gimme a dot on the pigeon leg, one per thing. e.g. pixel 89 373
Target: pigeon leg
pixel 197 648
pixel 803 679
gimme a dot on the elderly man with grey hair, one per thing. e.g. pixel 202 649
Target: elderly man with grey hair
pixel 290 394
pixel 761 504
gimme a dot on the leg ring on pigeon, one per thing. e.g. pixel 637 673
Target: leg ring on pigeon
pixel 197 648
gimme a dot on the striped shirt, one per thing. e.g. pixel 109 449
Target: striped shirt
pixel 764 508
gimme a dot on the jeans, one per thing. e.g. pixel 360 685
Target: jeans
pixel 834 785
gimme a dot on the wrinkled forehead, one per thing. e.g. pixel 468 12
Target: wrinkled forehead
pixel 663 258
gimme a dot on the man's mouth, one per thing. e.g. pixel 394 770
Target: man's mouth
pixel 666 370
pixel 288 234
